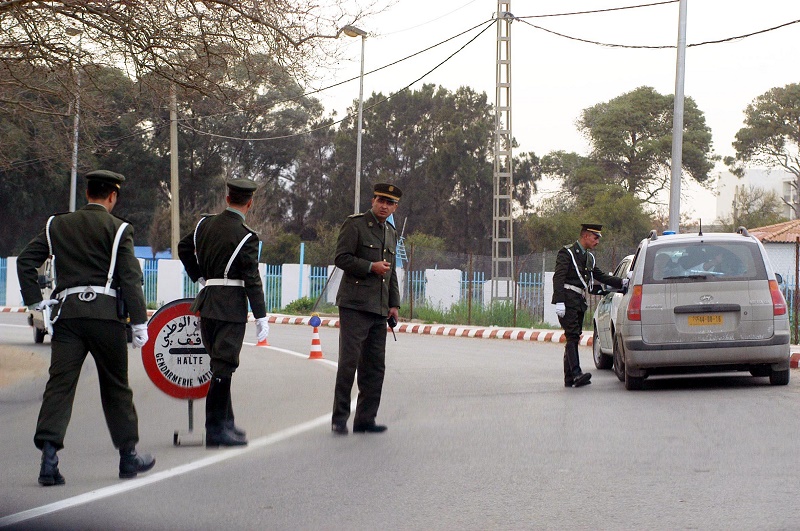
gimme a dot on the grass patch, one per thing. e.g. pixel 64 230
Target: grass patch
pixel 498 314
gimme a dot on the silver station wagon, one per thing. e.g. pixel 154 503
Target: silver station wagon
pixel 701 303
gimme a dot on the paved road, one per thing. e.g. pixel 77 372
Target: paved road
pixel 482 435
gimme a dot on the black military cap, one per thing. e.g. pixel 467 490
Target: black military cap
pixel 592 227
pixel 105 176
pixel 389 191
pixel 242 186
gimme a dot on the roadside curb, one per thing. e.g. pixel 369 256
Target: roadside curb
pixel 492 332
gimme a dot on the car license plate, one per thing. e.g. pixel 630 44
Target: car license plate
pixel 705 320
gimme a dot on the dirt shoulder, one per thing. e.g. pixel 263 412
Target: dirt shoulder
pixel 21 372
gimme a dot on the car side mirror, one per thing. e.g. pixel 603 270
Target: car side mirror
pixel 779 278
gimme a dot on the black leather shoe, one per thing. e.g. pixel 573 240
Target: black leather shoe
pixel 339 428
pixel 48 473
pixel 239 432
pixel 369 428
pixel 224 438
pixel 131 463
pixel 583 379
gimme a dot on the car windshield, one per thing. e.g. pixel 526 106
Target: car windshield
pixel 692 261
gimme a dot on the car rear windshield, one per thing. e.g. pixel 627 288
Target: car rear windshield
pixel 692 261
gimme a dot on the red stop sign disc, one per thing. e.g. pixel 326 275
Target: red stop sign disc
pixel 174 356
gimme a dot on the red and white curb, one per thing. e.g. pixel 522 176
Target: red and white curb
pixel 519 334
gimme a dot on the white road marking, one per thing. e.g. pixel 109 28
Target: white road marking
pixel 138 483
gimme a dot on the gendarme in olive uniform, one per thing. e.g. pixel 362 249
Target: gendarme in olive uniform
pixel 575 275
pixel 222 253
pixel 368 293
pixel 90 281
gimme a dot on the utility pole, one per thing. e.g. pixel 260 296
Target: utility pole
pixel 503 181
pixel 173 172
pixel 677 125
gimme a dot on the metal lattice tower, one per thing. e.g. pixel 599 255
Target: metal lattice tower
pixel 502 230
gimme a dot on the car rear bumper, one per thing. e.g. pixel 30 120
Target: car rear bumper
pixel 775 351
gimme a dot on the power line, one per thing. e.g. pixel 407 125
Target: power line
pixel 316 91
pixel 185 126
pixel 183 120
pixel 661 47
pixel 607 10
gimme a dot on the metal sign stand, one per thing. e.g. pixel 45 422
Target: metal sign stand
pixel 189 438
pixel 176 361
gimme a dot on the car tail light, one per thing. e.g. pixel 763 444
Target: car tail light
pixel 635 304
pixel 778 302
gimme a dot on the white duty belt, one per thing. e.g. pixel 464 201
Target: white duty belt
pixel 86 293
pixel 225 282
pixel 576 289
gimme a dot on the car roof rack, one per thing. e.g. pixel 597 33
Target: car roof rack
pixel 743 231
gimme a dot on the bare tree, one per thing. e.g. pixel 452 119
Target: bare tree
pixel 176 41
pixel 771 135
pixel 754 207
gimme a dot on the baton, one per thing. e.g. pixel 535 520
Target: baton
pixel 392 322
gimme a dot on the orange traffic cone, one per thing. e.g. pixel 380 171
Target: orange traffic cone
pixel 316 346
pixel 264 343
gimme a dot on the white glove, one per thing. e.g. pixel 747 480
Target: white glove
pixel 139 335
pixel 561 310
pixel 625 282
pixel 46 303
pixel 202 282
pixel 262 328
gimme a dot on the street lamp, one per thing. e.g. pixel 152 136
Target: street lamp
pixel 73 182
pixel 352 31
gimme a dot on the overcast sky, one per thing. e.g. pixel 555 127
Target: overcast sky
pixel 555 77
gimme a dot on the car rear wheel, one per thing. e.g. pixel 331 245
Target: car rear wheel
pixel 633 383
pixel 601 361
pixel 38 335
pixel 779 377
pixel 619 363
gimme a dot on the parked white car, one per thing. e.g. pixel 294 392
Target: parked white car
pixel 605 317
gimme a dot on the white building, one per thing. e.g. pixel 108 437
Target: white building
pixel 772 179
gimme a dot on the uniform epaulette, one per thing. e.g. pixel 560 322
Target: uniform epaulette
pixel 250 229
pixel 356 215
pixel 122 219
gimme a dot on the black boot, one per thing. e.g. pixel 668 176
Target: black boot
pixel 48 473
pixel 230 425
pixel 131 463
pixel 217 402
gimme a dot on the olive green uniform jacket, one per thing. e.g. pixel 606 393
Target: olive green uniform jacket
pixel 362 241
pixel 566 273
pixel 216 240
pixel 82 244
